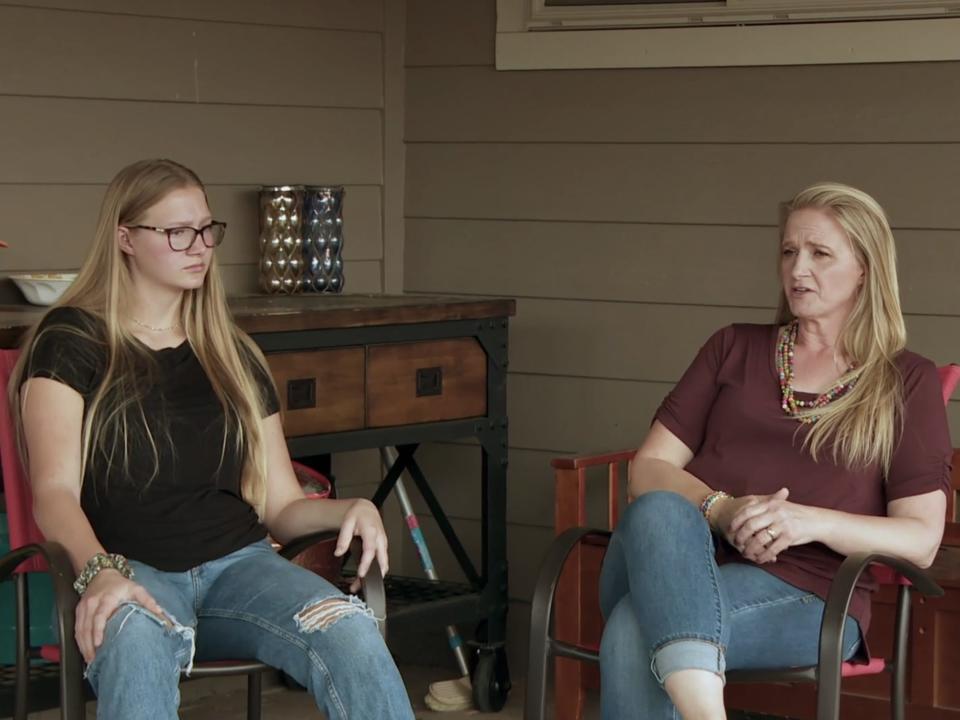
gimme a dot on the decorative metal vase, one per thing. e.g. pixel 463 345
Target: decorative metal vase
pixel 323 239
pixel 281 241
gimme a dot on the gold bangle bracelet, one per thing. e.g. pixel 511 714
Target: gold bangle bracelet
pixel 101 561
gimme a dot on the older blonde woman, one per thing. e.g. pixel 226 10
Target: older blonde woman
pixel 782 449
pixel 157 459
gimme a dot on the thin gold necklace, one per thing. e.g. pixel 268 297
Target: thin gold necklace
pixel 145 326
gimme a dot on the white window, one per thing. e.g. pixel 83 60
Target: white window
pixel 534 34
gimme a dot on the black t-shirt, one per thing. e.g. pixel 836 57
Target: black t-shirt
pixel 185 509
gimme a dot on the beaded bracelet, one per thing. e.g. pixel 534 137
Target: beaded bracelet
pixel 710 500
pixel 101 561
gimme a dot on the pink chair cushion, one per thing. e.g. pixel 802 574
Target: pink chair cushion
pixel 949 376
pixel 23 530
pixel 874 667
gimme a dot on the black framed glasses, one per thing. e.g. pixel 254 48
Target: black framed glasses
pixel 182 239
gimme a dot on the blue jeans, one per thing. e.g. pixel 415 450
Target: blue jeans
pixel 669 606
pixel 249 604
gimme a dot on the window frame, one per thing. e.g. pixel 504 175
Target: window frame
pixel 532 35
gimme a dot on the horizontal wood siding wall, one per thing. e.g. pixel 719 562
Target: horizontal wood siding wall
pixel 246 93
pixel 632 213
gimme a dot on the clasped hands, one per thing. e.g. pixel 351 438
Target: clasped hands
pixel 760 527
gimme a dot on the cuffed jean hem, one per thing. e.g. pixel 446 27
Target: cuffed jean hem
pixel 688 654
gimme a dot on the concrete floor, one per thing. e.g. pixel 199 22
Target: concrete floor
pixel 225 699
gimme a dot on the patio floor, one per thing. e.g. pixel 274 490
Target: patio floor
pixel 225 699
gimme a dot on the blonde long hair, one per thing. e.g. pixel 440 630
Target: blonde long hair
pixel 227 355
pixel 863 427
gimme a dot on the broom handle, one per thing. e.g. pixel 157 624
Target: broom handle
pixel 388 457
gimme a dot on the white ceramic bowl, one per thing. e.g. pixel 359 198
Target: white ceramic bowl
pixel 43 288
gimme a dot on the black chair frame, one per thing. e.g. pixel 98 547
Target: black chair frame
pixel 827 673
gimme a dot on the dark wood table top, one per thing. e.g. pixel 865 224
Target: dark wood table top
pixel 277 313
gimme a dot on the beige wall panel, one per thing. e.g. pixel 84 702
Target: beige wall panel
pixel 935 337
pixel 689 264
pixel 289 66
pixel 526 549
pixel 580 414
pixel 47 52
pixel 629 341
pixel 363 223
pixel 87 141
pixel 238 207
pixel 37 240
pixel 711 184
pixel 639 341
pixel 953 416
pixel 394 146
pixel 450 32
pixel 604 261
pixel 927 267
pixel 79 54
pixel 361 468
pixel 452 472
pixel 35 244
pixel 240 278
pixel 834 103
pixel 335 14
pixel 361 277
pixel 356 490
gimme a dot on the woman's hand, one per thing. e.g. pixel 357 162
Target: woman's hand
pixel 102 597
pixel 768 525
pixel 725 510
pixel 363 520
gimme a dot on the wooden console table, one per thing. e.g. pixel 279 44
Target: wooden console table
pixel 357 372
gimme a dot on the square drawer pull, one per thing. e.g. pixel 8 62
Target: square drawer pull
pixel 429 381
pixel 301 394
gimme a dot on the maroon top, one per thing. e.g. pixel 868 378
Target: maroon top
pixel 726 409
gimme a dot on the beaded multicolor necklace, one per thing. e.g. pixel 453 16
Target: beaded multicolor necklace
pixel 791 405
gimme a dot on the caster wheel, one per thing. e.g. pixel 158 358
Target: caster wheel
pixel 491 680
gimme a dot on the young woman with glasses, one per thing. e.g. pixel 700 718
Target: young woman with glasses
pixel 157 459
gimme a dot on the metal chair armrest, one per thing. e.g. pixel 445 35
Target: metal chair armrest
pixel 298 545
pixel 541 609
pixel 838 603
pixel 549 575
pixel 61 572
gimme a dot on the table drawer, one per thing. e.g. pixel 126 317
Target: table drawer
pixel 425 381
pixel 321 391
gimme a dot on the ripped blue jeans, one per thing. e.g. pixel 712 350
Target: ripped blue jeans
pixel 668 606
pixel 249 604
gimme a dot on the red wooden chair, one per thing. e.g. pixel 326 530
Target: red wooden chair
pixel 566 591
pixel 31 553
